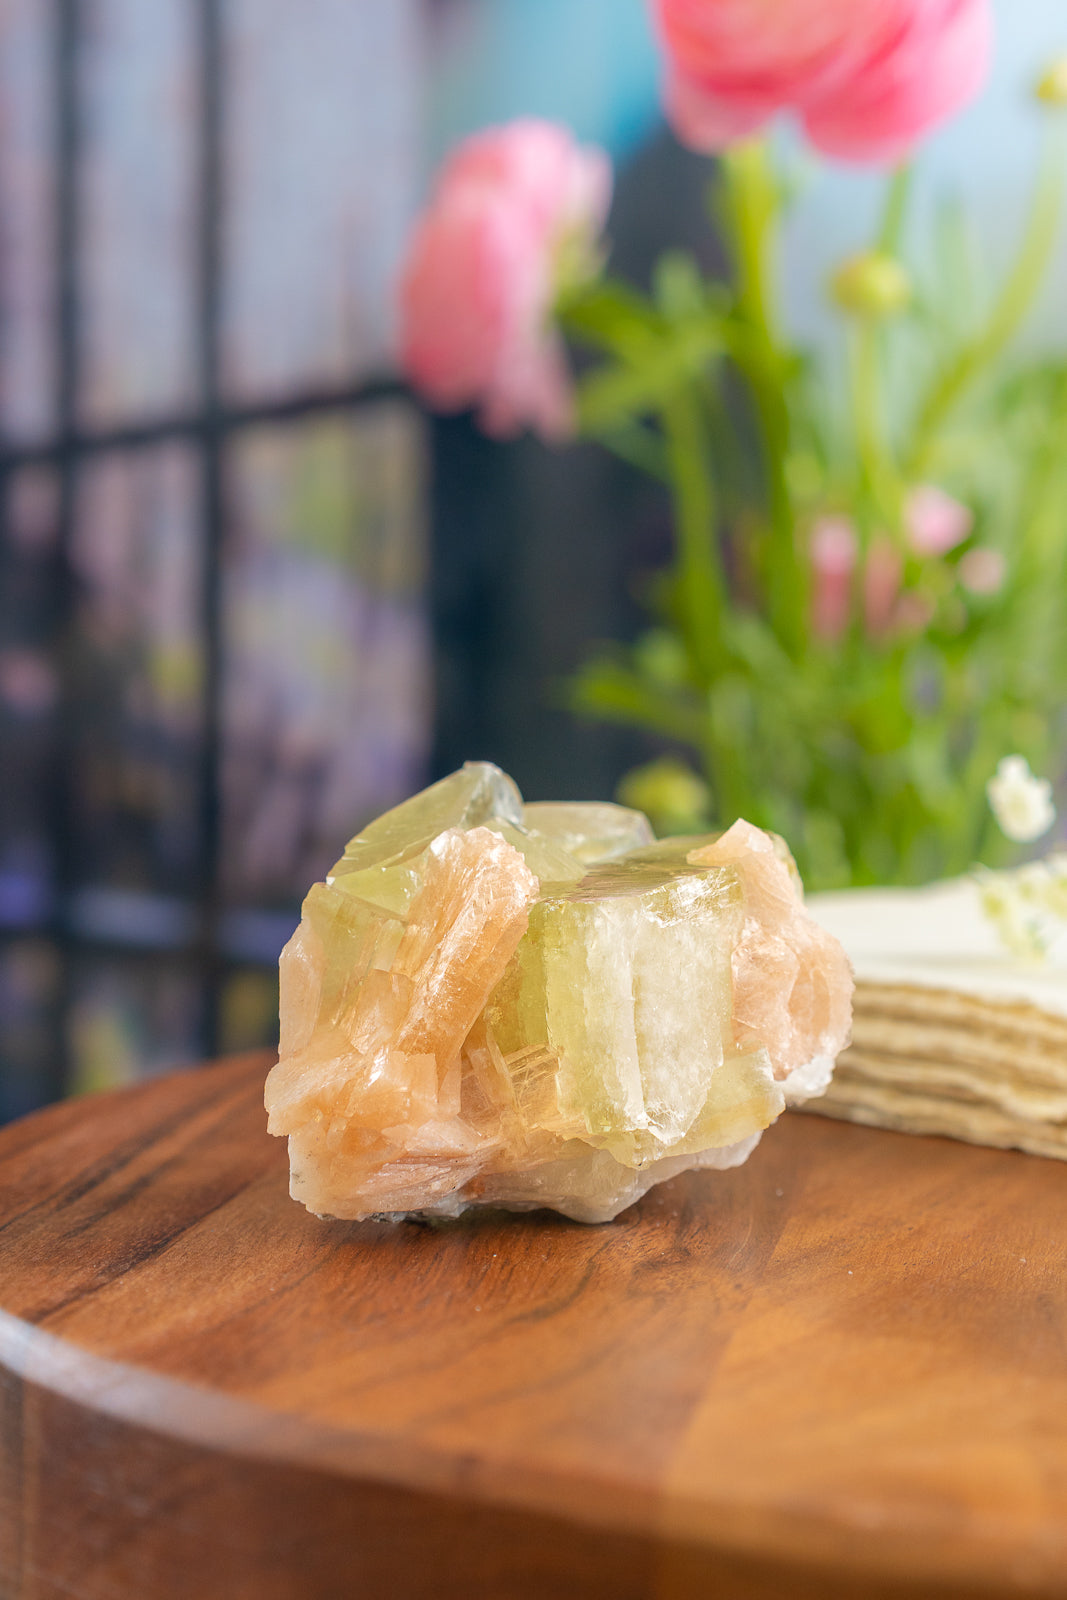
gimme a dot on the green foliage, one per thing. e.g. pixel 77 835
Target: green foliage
pixel 671 793
pixel 867 743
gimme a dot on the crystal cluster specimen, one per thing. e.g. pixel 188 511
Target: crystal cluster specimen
pixel 492 1003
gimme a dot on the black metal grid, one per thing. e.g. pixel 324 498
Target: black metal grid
pixel 207 428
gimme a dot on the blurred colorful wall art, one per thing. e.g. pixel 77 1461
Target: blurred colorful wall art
pixel 213 635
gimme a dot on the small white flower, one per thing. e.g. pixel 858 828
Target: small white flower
pixel 1032 882
pixel 1021 803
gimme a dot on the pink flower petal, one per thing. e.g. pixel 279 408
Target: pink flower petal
pixel 704 121
pixel 935 65
pixel 868 77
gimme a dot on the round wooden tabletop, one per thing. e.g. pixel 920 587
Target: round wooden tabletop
pixel 840 1370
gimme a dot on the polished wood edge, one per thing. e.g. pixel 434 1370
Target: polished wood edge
pixel 200 1416
pixel 676 1520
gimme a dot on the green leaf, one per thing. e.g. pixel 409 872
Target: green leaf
pixel 610 315
pixel 638 387
pixel 678 286
pixel 606 688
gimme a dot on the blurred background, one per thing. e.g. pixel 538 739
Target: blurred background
pixel 249 595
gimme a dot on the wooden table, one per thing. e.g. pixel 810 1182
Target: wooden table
pixel 838 1371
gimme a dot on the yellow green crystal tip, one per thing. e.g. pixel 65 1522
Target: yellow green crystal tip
pixel 492 1003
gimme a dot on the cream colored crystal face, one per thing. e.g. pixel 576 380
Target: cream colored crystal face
pixel 493 1004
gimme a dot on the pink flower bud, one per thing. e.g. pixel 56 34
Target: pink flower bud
pixel 936 523
pixel 514 209
pixel 982 571
pixel 833 561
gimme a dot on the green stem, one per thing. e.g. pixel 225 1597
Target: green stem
pixel 751 215
pixel 883 494
pixel 863 364
pixel 896 205
pixel 1009 311
pixel 879 476
pixel 1039 557
pixel 699 567
pixel 752 206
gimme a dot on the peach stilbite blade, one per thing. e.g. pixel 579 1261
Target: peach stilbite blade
pixel 488 1003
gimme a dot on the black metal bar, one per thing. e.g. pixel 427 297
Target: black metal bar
pixel 67 215
pixel 194 426
pixel 66 401
pixel 209 311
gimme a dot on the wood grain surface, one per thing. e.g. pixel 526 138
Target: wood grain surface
pixel 839 1371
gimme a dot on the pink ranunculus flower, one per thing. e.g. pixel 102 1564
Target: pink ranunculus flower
pixel 834 550
pixel 936 523
pixel 868 78
pixel 882 575
pixel 516 211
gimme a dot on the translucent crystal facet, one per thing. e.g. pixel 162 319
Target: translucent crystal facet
pixel 497 1004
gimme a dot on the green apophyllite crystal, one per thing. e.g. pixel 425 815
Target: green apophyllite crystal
pixel 492 1003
